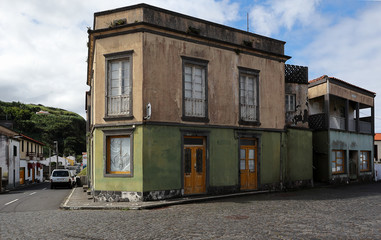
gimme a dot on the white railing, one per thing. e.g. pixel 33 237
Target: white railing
pixel 194 107
pixel 249 112
pixel 119 105
pixel 337 123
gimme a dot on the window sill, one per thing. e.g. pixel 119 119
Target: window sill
pixel 118 118
pixel 127 175
pixel 249 123
pixel 195 119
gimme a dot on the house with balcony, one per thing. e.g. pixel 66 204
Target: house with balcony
pixel 180 106
pixel 31 153
pixel 342 117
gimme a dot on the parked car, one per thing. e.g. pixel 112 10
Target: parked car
pixel 62 178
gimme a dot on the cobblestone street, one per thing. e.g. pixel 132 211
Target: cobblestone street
pixel 341 212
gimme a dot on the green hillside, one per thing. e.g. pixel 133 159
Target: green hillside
pixel 68 128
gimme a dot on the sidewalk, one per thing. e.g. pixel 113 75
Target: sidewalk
pixel 78 200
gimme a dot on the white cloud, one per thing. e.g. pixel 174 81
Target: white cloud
pixel 350 50
pixel 43 45
pixel 270 17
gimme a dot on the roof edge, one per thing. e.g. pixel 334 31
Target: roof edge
pixel 144 5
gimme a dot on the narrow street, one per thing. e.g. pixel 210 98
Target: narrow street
pixel 36 198
pixel 338 212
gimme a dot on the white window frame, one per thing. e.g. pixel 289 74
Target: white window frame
pixel 249 96
pixel 195 108
pixel 290 106
pixel 365 159
pixel 119 104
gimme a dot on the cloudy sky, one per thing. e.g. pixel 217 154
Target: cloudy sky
pixel 43 42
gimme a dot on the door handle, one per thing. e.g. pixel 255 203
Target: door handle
pixel 195 166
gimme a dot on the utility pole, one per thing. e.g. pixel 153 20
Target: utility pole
pixel 55 142
pixel 247 21
pixel 50 162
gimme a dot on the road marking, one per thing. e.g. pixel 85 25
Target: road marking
pixel 67 200
pixel 11 202
pixel 32 193
pixel 44 189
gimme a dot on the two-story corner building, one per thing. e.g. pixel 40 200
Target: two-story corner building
pixel 342 116
pixel 9 158
pixel 31 154
pixel 180 106
pixel 298 154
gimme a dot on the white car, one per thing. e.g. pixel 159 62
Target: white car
pixel 62 178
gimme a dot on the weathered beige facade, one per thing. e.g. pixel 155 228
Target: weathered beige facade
pixel 174 100
pixel 157 65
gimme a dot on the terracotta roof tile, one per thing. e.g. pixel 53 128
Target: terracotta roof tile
pixel 377 137
pixel 325 76
pixel 317 79
pixel 31 139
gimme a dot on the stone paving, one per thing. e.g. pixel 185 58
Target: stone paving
pixel 342 212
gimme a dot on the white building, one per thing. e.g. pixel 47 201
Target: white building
pixel 9 158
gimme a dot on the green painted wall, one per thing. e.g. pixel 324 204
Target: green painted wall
pixel 162 158
pixel 270 157
pixel 350 142
pixel 299 155
pixel 223 158
pixel 157 160
pixel 134 183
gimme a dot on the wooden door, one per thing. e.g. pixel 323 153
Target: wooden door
pixel 194 167
pixel 248 165
pixel 22 175
pixel 33 175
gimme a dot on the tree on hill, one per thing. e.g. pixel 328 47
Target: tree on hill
pixel 68 128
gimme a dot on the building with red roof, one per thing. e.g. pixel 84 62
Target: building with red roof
pixel 342 117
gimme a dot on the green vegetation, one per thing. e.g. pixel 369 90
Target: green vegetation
pixel 68 128
pixel 83 172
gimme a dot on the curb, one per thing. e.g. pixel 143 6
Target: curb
pixel 153 205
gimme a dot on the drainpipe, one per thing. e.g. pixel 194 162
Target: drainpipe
pixel 7 160
pixel 281 161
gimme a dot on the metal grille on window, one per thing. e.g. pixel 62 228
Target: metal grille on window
pixel 249 97
pixel 120 90
pixel 194 91
pixel 199 156
pixel 187 161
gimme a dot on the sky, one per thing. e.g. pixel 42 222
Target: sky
pixel 43 47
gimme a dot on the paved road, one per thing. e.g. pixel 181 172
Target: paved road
pixel 345 212
pixel 36 198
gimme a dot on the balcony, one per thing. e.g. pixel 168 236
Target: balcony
pixel 318 122
pixel 337 123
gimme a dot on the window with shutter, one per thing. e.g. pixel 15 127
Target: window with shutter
pixel 195 89
pixel 249 97
pixel 119 85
